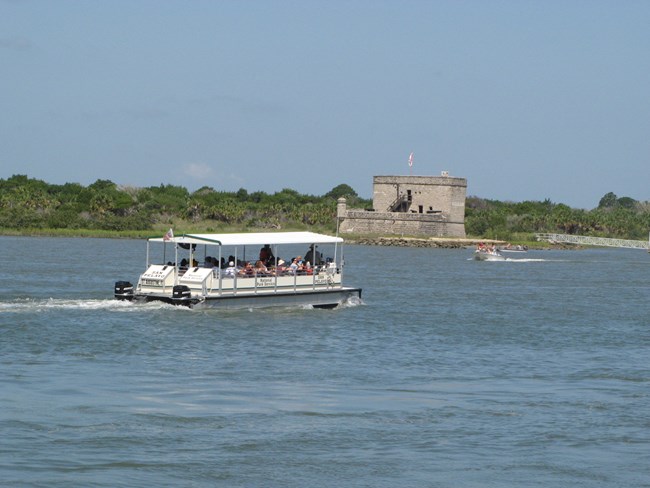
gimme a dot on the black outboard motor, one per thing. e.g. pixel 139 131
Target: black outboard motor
pixel 123 290
pixel 181 295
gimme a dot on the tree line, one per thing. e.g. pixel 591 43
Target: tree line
pixel 28 203
pixel 622 217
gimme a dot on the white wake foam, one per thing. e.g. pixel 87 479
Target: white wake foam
pixel 51 304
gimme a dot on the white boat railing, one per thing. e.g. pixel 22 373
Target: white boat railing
pixel 209 281
pixel 593 241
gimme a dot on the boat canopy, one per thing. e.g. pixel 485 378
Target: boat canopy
pixel 251 239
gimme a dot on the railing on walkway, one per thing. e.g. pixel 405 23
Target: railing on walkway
pixel 401 204
pixel 593 241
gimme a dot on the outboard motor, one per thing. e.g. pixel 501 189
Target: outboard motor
pixel 181 295
pixel 123 290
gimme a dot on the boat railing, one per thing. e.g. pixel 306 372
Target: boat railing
pixel 220 283
pixel 208 281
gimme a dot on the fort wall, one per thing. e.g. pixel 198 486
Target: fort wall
pixel 410 205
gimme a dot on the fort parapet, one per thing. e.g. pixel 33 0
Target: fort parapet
pixel 410 205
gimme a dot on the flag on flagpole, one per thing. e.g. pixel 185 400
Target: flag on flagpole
pixel 411 160
pixel 169 235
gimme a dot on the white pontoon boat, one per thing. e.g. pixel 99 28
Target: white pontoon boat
pixel 219 271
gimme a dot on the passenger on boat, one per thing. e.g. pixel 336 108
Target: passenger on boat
pixel 231 270
pixel 247 270
pixel 313 256
pixel 281 268
pixel 295 265
pixel 266 255
pixel 225 264
pixel 260 268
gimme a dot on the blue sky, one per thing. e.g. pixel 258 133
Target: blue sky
pixel 528 100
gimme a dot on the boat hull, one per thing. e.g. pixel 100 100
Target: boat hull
pixel 317 299
pixel 483 256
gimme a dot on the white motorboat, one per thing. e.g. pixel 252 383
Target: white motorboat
pixel 515 249
pixel 484 254
pixel 226 278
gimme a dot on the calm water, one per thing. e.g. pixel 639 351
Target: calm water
pixel 453 373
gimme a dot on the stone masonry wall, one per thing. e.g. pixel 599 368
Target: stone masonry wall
pixel 426 205
pixel 428 194
pixel 397 223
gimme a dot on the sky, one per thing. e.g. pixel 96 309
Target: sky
pixel 528 100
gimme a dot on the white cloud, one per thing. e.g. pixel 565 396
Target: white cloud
pixel 198 170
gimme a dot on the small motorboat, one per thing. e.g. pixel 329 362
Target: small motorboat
pixel 511 248
pixel 485 254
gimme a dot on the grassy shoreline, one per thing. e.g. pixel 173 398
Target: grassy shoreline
pixel 81 233
pixel 387 240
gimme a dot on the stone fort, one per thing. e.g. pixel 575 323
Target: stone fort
pixel 431 206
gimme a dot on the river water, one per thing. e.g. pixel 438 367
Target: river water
pixel 451 373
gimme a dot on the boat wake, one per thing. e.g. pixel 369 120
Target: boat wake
pixel 23 305
pixel 351 302
pixel 525 260
pixel 513 260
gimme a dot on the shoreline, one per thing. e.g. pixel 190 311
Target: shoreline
pixel 396 241
pixel 436 242
pixel 445 242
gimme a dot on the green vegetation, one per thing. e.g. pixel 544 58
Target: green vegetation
pixel 624 218
pixel 30 206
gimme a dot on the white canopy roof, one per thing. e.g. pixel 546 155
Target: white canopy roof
pixel 253 238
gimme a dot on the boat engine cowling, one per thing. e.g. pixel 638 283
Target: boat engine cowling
pixel 123 290
pixel 181 293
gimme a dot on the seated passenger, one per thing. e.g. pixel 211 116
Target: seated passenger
pixel 260 268
pixel 231 270
pixel 281 267
pixel 247 270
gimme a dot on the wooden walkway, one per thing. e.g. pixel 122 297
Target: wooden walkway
pixel 594 241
